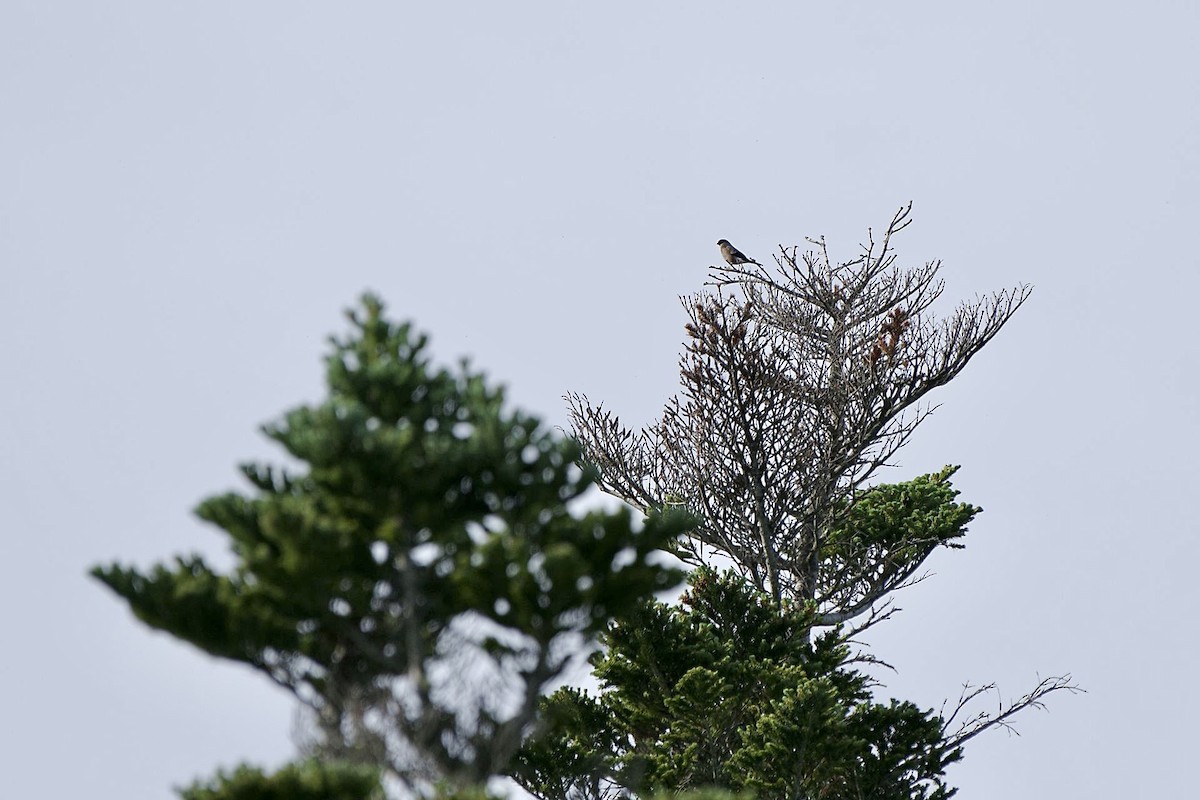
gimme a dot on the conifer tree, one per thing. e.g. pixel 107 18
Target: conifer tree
pixel 727 690
pixel 799 383
pixel 418 580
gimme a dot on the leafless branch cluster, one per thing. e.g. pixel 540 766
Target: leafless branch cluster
pixel 798 383
pixel 961 725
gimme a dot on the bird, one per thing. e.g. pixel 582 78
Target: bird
pixel 732 255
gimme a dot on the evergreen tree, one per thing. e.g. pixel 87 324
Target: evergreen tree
pixel 798 384
pixel 726 690
pixel 420 580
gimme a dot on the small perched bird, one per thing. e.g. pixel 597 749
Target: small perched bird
pixel 732 255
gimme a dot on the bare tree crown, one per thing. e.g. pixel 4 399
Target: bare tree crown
pixel 799 381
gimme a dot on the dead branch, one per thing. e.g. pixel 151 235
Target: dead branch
pixel 795 390
pixel 976 723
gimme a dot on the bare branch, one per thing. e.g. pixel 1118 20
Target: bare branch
pixel 796 388
pixel 974 724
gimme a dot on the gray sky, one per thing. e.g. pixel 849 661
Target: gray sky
pixel 191 193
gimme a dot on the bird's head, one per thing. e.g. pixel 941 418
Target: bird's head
pixel 722 243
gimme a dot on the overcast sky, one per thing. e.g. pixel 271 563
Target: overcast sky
pixel 191 193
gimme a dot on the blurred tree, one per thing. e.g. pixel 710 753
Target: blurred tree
pixel 419 581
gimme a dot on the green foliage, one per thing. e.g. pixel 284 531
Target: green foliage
pixel 703 794
pixel 728 690
pixel 421 501
pixel 310 780
pixel 881 540
pixel 906 518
